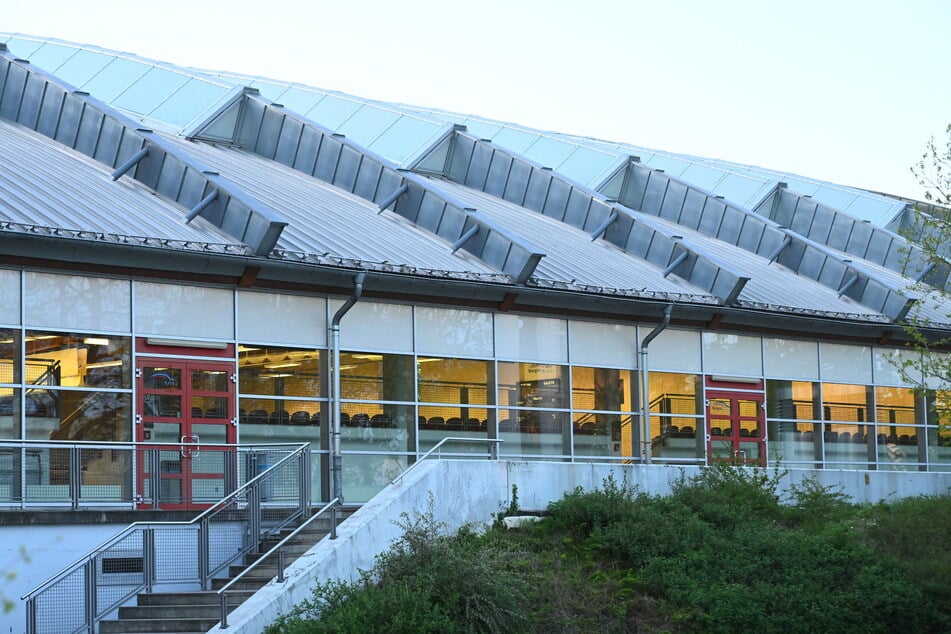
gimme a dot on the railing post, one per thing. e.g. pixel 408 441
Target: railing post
pixel 91 599
pixel 224 611
pixel 75 476
pixel 254 515
pixel 148 558
pixel 305 467
pixel 155 475
pixel 493 451
pixel 280 565
pixel 333 520
pixel 31 616
pixel 204 554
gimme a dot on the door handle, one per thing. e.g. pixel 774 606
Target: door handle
pixel 196 450
pixel 183 451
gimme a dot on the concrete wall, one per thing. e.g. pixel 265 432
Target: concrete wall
pixel 470 491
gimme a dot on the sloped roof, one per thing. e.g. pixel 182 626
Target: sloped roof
pixel 148 153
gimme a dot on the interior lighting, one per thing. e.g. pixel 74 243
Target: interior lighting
pixel 103 364
pixel 96 341
pixel 186 343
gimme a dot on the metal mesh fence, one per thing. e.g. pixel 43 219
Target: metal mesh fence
pixel 64 610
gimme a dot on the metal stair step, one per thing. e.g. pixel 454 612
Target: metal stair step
pixel 202 597
pixel 156 612
pixel 158 625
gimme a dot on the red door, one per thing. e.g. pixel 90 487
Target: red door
pixel 186 408
pixel 735 427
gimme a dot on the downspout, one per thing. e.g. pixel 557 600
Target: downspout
pixel 335 457
pixel 645 384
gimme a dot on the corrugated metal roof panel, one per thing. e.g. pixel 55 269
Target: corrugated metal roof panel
pixel 47 184
pixel 324 219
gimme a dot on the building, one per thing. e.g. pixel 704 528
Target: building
pixel 186 253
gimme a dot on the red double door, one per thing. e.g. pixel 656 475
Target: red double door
pixel 186 408
pixel 735 423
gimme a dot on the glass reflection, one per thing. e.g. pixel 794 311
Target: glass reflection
pixel 74 360
pixel 277 371
pixel 607 427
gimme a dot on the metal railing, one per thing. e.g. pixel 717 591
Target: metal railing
pixel 437 449
pixel 277 549
pixel 147 554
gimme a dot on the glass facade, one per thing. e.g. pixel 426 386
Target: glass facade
pixel 412 376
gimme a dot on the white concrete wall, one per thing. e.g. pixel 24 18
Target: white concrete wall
pixel 49 549
pixel 470 491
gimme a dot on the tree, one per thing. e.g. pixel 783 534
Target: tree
pixel 930 228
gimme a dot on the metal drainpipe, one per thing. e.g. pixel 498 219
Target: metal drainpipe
pixel 335 457
pixel 645 384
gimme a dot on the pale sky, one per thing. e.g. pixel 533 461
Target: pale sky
pixel 842 90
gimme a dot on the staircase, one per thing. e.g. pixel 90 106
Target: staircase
pixel 200 610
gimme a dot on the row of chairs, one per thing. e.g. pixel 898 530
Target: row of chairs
pixel 859 437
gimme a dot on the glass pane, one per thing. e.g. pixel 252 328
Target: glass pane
pixel 299 101
pixel 190 101
pixel 732 354
pixel 452 380
pixel 584 165
pixel 77 301
pixel 366 475
pixel 375 326
pixel 303 319
pixel 702 176
pixel 9 355
pixel 531 338
pixel 674 393
pixel 278 371
pixel 82 66
pixel 114 78
pixel 436 423
pixel 330 112
pixel 72 359
pixel 534 433
pixel 273 421
pixel 516 141
pixel 737 189
pixel 846 403
pixel 681 350
pixel 51 56
pixel 367 124
pixel 210 407
pixel 602 389
pixel 401 139
pixel 209 380
pixel 9 296
pixel 548 152
pixel 377 427
pixel 532 385
pixel 162 405
pixel 603 344
pixel 162 378
pixel 676 438
pixel 371 376
pixel 453 332
pixel 81 415
pixel 181 310
pixel 10 414
pixel 846 446
pixel 787 358
pixel 844 363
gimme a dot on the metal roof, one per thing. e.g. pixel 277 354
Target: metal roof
pixel 234 164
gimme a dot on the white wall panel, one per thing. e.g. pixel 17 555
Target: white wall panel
pixel 277 318
pixel 525 338
pixel 184 311
pixel 672 350
pixel 725 353
pixel 843 363
pixel 9 296
pixel 77 302
pixel 791 359
pixel 453 332
pixel 594 344
pixel 375 326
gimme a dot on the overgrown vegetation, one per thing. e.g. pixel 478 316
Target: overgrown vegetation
pixel 720 554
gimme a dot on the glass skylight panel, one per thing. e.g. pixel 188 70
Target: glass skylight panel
pixel 367 124
pixel 188 102
pixel 149 91
pixel 702 176
pixel 478 128
pixel 833 197
pixel 793 184
pixel 514 140
pixel 584 165
pixel 869 209
pixel 671 166
pixel 737 189
pixel 114 79
pixel 331 111
pixel 22 48
pixel 403 138
pixel 299 101
pixel 82 67
pixel 268 89
pixel 50 56
pixel 548 152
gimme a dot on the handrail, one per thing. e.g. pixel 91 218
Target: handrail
pixel 222 592
pixel 83 559
pixel 63 444
pixel 493 452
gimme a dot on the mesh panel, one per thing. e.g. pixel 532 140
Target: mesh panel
pixel 176 554
pixel 62 607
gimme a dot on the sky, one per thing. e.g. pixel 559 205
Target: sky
pixel 848 91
